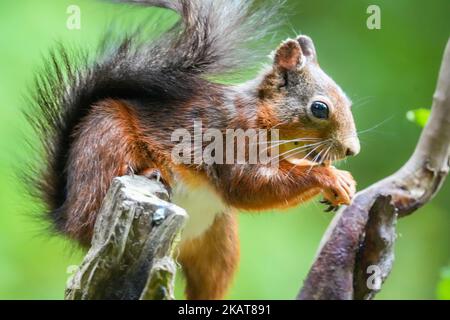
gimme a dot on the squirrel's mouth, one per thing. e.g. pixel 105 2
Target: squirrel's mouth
pixel 310 152
pixel 312 158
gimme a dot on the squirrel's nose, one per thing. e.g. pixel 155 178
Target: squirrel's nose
pixel 350 152
pixel 352 148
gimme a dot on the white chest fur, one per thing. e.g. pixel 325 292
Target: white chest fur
pixel 202 205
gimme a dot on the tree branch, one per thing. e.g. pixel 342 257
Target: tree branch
pixel 362 234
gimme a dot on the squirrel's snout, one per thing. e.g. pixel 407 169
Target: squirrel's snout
pixel 351 152
pixel 352 147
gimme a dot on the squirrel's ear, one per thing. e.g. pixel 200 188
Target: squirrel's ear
pixel 289 55
pixel 308 48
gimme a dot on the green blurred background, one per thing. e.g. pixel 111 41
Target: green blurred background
pixel 386 72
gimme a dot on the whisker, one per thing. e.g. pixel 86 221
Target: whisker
pixel 286 141
pixel 310 145
pixel 304 158
pixel 301 148
pixel 362 102
pixel 363 98
pixel 279 144
pixel 314 160
pixel 375 126
pixel 326 154
pixel 311 151
pixel 357 106
pixel 292 152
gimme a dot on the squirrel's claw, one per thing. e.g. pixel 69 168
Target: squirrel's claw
pixel 155 174
pixel 128 170
pixel 340 189
pixel 331 207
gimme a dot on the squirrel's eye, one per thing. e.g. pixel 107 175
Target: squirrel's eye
pixel 319 110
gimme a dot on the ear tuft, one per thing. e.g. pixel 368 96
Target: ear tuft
pixel 289 55
pixel 308 47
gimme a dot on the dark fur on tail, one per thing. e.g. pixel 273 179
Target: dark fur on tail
pixel 211 39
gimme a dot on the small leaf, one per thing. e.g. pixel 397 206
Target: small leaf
pixel 443 289
pixel 419 116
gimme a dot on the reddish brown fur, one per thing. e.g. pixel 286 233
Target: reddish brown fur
pixel 289 185
pixel 111 125
pixel 209 262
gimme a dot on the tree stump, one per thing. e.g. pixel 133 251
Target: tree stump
pixel 135 239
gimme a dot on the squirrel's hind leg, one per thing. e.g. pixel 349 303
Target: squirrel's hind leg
pixel 209 261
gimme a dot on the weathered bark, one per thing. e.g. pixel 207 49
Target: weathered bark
pixel 362 234
pixel 134 240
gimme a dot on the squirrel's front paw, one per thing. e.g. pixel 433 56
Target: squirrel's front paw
pixel 339 189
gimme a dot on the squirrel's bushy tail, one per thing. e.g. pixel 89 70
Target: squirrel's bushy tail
pixel 211 38
pixel 214 36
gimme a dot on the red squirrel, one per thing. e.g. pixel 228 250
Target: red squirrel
pixel 113 115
